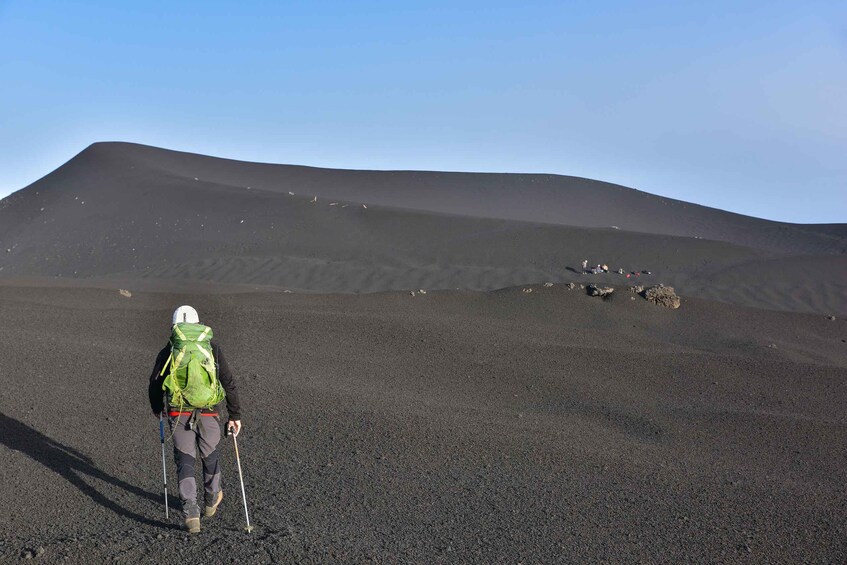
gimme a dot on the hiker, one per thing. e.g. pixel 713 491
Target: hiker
pixel 194 376
pixel 585 265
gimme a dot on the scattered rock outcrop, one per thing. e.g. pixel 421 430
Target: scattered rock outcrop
pixel 663 296
pixel 601 291
pixel 32 553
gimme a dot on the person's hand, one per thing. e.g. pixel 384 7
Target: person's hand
pixel 234 426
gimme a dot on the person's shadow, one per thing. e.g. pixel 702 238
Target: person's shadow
pixel 71 465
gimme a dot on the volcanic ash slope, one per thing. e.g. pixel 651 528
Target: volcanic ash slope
pixel 148 215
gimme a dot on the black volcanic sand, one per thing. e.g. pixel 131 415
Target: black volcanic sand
pixel 150 216
pixel 454 426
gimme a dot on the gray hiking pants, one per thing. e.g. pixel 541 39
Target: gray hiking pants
pixel 205 434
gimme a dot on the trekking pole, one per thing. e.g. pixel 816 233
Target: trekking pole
pixel 164 468
pixel 249 528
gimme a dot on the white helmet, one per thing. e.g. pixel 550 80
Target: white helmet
pixel 186 314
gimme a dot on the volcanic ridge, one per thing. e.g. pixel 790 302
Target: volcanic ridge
pixel 121 211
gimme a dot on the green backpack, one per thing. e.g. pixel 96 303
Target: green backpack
pixel 193 379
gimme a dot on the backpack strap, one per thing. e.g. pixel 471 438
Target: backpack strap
pixel 179 357
pixel 206 353
pixel 178 332
pixel 202 337
pixel 165 366
pixel 171 360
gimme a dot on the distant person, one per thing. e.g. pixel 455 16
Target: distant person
pixel 189 379
pixel 585 265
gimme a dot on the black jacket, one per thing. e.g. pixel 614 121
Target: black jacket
pixel 157 402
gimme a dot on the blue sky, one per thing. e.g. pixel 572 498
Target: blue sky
pixel 736 105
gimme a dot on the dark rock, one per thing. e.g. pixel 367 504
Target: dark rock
pixel 663 296
pixel 32 553
pixel 602 291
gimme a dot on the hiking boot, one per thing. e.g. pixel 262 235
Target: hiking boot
pixel 192 525
pixel 213 503
pixel 192 516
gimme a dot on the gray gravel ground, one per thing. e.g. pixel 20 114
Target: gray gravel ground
pixel 449 427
